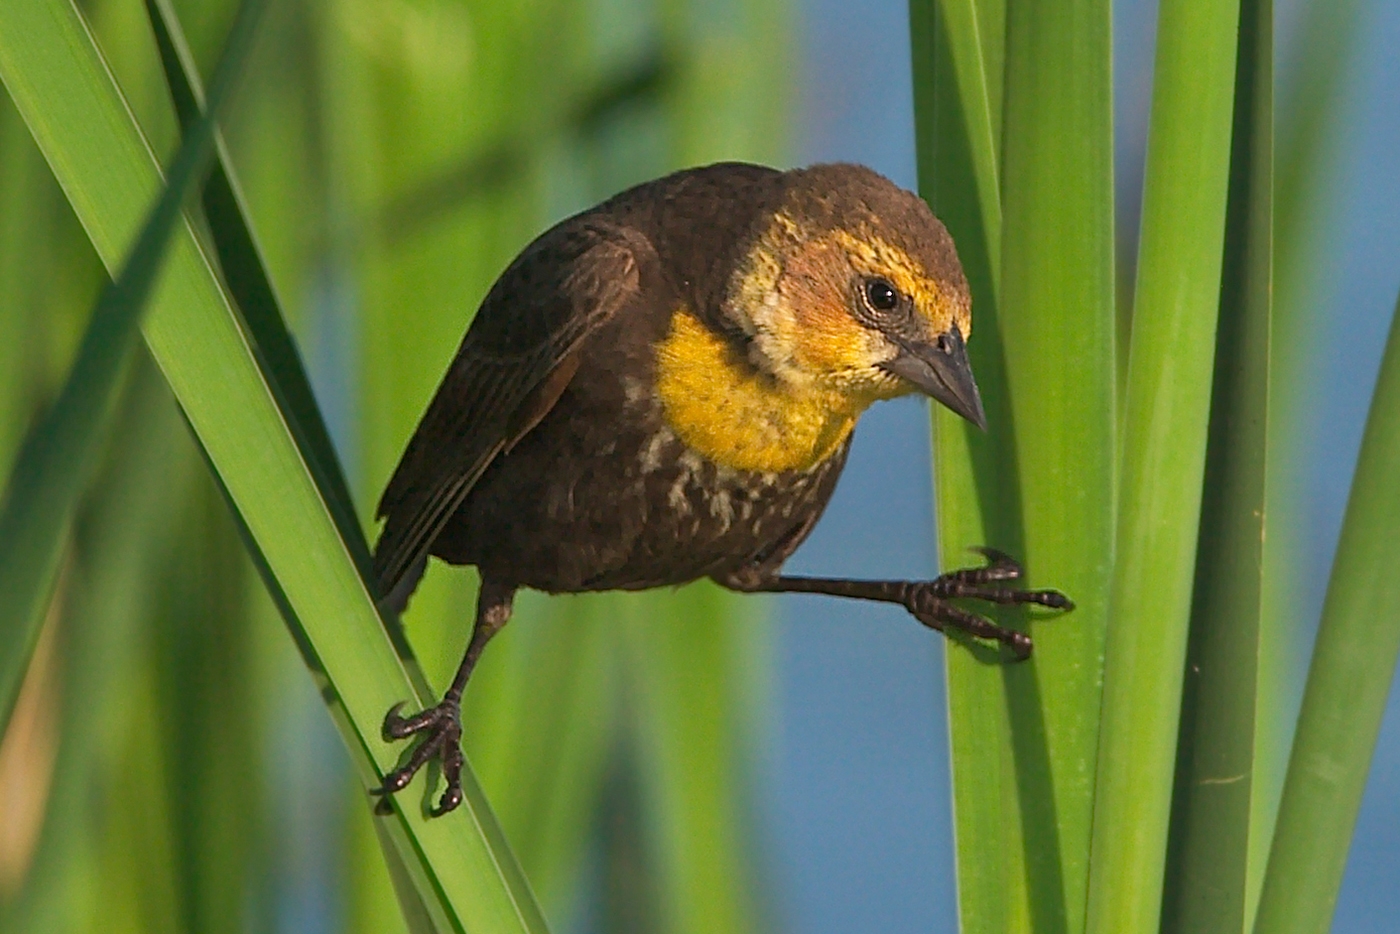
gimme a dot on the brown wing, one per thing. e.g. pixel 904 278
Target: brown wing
pixel 516 359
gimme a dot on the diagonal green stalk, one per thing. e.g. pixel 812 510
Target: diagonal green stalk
pixel 1214 842
pixel 1349 679
pixel 58 459
pixel 461 865
pixel 1163 455
pixel 245 272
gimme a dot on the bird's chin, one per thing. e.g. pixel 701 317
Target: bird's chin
pixel 890 385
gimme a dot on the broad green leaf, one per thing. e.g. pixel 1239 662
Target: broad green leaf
pixel 1214 841
pixel 1349 679
pixel 53 468
pixel 1171 356
pixel 460 863
pixel 1035 234
pixel 1057 317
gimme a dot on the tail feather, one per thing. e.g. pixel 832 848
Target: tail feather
pixel 395 601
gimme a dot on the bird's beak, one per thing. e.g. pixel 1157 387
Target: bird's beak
pixel 941 370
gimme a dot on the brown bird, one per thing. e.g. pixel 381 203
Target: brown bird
pixel 663 388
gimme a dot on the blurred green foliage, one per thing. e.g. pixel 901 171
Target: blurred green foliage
pixel 169 766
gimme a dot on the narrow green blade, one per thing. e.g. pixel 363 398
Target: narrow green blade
pixel 1213 842
pixel 460 863
pixel 1309 138
pixel 1348 682
pixel 245 273
pixel 975 488
pixel 957 66
pixel 1171 357
pixel 52 471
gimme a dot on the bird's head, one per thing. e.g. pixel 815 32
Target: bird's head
pixel 853 287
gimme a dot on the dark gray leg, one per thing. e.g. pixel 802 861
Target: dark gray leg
pixel 929 601
pixel 441 726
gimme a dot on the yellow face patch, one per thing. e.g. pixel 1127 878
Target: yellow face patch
pixel 794 288
pixel 725 409
pixel 872 255
pixel 823 338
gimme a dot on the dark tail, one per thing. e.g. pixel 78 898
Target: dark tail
pixel 395 600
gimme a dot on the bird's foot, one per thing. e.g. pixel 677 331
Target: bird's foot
pixel 441 729
pixel 929 602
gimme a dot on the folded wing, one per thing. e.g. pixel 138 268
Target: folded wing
pixel 516 359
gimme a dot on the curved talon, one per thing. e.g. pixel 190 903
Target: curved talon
pixel 393 723
pixel 1052 599
pixel 1000 566
pixel 396 780
pixel 449 801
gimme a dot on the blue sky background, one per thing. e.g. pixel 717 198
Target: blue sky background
pixel 858 781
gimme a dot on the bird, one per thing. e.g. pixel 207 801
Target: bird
pixel 663 388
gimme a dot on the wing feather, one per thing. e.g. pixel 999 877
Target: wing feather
pixel 559 290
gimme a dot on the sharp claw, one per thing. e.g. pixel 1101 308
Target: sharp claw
pixel 449 801
pixel 394 781
pixel 393 723
pixel 998 560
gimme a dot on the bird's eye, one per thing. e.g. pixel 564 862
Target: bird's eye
pixel 881 295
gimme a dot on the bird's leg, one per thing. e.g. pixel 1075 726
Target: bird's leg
pixel 930 601
pixel 441 726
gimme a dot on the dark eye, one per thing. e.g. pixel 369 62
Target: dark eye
pixel 881 295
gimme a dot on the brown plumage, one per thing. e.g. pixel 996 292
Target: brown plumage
pixel 663 388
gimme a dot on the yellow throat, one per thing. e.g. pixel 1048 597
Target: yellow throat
pixel 724 409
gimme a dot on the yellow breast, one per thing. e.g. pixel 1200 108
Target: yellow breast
pixel 726 410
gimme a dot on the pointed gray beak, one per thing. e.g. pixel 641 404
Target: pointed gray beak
pixel 941 370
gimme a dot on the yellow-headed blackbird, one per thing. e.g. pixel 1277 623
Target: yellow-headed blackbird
pixel 663 388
